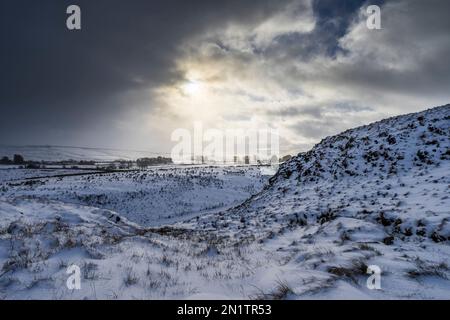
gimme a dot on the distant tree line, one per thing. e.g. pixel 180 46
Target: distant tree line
pixel 118 164
pixel 147 162
pixel 17 159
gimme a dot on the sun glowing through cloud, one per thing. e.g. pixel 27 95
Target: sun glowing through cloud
pixel 192 88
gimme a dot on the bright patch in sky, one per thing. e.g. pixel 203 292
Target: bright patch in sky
pixel 192 88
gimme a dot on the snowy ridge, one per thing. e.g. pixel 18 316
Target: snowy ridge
pixel 386 148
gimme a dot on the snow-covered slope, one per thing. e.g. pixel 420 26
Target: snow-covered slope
pixel 378 194
pixel 374 195
pixel 398 166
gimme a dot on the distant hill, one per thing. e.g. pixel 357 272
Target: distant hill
pixel 60 153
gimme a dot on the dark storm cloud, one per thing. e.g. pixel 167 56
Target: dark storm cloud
pixel 54 80
pixel 333 18
pixel 56 83
pixel 409 55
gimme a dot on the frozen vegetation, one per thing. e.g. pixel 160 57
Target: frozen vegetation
pixel 374 195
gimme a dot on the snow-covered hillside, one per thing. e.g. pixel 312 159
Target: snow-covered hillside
pixel 378 194
pixel 374 195
pixel 389 170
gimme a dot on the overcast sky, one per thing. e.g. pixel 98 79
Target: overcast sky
pixel 140 69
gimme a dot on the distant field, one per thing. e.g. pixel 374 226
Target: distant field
pixel 59 153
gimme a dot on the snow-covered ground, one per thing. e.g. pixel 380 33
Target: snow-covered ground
pixel 374 195
pixel 151 197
